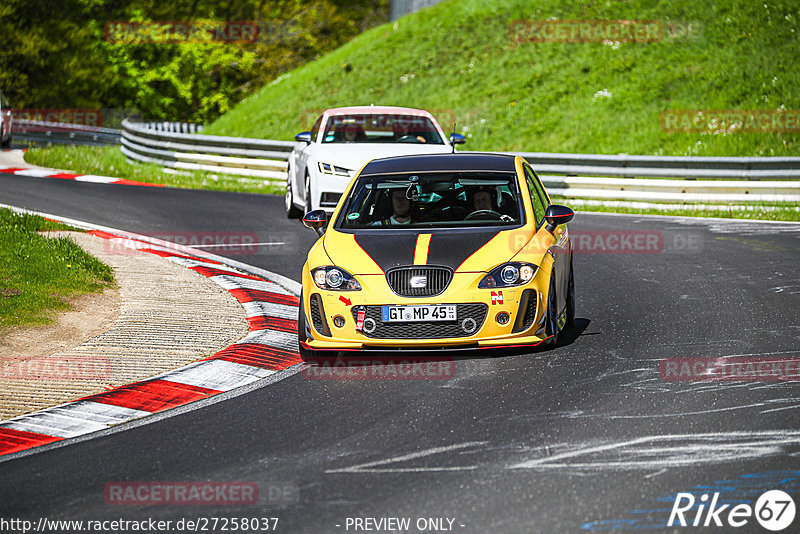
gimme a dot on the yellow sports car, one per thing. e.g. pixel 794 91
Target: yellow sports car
pixel 431 252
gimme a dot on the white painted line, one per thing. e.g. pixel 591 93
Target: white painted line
pixel 107 414
pixel 259 309
pixel 272 338
pixel 237 282
pixel 52 424
pixel 95 179
pixel 372 467
pixel 219 375
pixel 241 245
pixel 193 263
pixel 35 173
pixel 672 450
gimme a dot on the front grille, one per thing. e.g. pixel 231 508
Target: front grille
pixel 436 280
pixel 423 330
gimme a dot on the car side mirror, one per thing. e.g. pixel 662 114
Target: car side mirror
pixel 457 139
pixel 303 137
pixel 557 215
pixel 317 220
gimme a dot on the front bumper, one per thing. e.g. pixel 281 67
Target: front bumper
pixel 525 306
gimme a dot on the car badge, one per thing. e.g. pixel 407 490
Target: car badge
pixel 418 282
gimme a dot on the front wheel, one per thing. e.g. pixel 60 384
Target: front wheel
pixel 571 298
pixel 308 193
pixel 291 211
pixel 551 323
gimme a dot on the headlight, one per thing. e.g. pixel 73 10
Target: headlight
pixel 327 168
pixel 334 278
pixel 509 274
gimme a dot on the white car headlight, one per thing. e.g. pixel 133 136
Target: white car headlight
pixel 327 168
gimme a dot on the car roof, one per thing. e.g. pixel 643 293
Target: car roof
pixel 375 109
pixel 461 161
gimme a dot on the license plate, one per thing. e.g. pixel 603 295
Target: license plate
pixel 403 314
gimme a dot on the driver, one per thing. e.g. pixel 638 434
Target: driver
pixel 484 198
pixel 351 133
pixel 403 133
pixel 401 209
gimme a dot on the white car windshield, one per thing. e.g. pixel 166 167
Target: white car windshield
pixel 431 200
pixel 381 128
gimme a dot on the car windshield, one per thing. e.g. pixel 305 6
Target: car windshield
pixel 431 200
pixel 381 128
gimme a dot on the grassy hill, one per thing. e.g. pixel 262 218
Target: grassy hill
pixel 460 60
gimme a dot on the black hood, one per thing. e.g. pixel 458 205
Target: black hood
pixel 449 248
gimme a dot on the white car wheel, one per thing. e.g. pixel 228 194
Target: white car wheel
pixel 291 211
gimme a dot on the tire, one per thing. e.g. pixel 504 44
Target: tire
pixel 551 322
pixel 7 142
pixel 305 354
pixel 291 211
pixel 571 298
pixel 308 193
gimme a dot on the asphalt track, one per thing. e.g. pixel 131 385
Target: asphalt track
pixel 587 436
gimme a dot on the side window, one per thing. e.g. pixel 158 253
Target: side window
pixel 540 190
pixel 315 129
pixel 536 199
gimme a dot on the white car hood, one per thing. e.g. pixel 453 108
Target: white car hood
pixel 353 156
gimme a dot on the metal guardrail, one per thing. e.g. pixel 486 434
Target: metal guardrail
pixel 170 145
pixel 597 176
pixel 690 167
pixel 45 133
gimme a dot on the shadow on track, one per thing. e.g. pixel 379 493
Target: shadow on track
pixel 355 359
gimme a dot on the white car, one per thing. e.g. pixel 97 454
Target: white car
pixel 343 140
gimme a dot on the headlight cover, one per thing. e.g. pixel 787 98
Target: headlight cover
pixel 327 168
pixel 333 278
pixel 509 274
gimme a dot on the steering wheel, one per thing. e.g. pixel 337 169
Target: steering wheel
pixel 484 215
pixel 411 138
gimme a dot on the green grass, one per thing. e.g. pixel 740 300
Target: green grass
pixel 39 274
pixel 109 161
pixel 458 58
